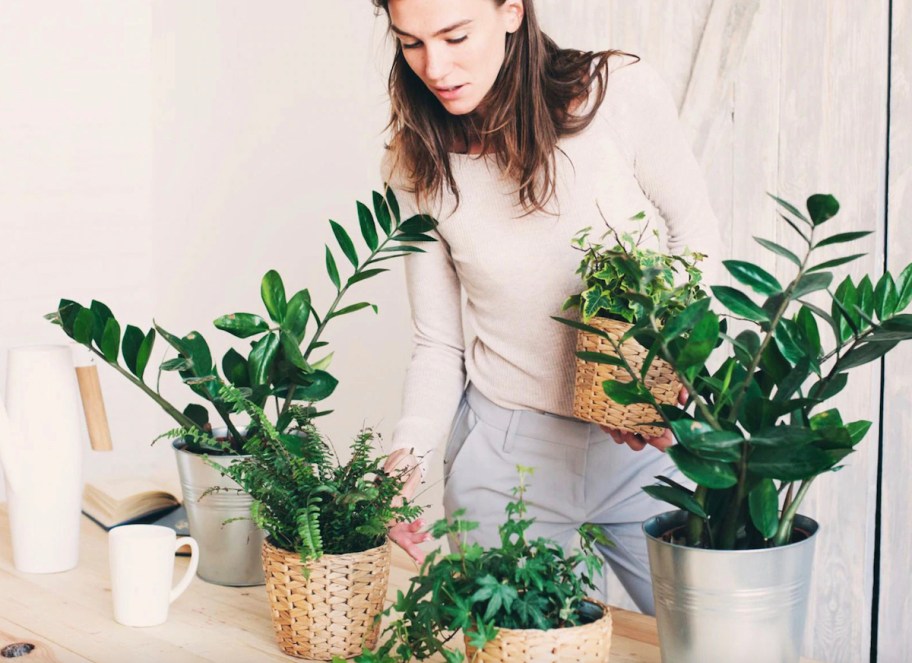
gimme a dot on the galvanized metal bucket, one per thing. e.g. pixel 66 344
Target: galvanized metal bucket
pixel 230 544
pixel 721 606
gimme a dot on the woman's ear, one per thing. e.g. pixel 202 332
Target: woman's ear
pixel 513 14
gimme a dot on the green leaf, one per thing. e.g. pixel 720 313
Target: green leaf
pixel 297 314
pixel 172 340
pixel 626 393
pixel 686 319
pixel 176 364
pixel 822 207
pixel 132 340
pixel 102 315
pixel 807 240
pixel 321 385
pixel 807 325
pixel 781 250
pixel 67 310
pixel 739 303
pixel 332 270
pixel 324 363
pixel 811 283
pixel 235 368
pixel 857 430
pixel 292 352
pixel 782 437
pixel 863 354
pixel 366 221
pixel 677 498
pixel 794 464
pixel 198 351
pixel 261 358
pixel 110 340
pixel 791 208
pixel 84 326
pixel 415 225
pixel 835 262
pixel 711 474
pixel 904 289
pixel 702 440
pixel 345 243
pixel 366 274
pixel 865 297
pixel 414 238
pixel 700 343
pixel 885 297
pixel 349 309
pixel 197 414
pixel 829 389
pixel 393 205
pixel 145 351
pixel 600 358
pixel 753 276
pixel 826 419
pixel 764 508
pixel 272 291
pixel 842 237
pixel 242 325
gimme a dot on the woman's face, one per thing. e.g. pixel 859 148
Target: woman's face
pixel 456 47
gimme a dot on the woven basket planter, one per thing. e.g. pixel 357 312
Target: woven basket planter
pixel 589 643
pixel 332 611
pixel 589 400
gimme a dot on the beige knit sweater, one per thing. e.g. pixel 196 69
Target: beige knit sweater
pixel 482 297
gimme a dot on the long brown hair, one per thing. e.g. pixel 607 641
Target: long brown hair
pixel 530 107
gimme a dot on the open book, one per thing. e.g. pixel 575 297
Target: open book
pixel 117 501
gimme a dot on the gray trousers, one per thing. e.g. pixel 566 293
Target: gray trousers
pixel 581 476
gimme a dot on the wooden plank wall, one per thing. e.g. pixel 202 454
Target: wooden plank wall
pixel 791 98
pixel 894 642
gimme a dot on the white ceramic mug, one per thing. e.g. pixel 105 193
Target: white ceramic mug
pixel 142 569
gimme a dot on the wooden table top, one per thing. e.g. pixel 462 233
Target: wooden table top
pixel 68 616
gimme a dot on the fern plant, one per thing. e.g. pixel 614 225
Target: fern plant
pixel 303 496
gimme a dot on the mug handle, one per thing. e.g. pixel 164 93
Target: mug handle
pixel 191 570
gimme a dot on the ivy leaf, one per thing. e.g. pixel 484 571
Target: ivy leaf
pixel 755 277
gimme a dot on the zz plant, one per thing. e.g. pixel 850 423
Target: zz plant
pixel 521 584
pixel 759 433
pixel 279 365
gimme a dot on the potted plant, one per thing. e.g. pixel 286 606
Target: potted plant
pixel 732 565
pixel 327 557
pixel 279 366
pixel 519 602
pixel 609 272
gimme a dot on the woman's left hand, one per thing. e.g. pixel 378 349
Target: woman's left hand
pixel 638 442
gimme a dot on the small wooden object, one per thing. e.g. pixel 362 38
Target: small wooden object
pixel 93 406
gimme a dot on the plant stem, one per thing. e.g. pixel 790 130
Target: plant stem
pixel 695 524
pixel 729 532
pixel 783 534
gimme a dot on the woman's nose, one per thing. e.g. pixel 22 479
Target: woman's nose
pixel 437 64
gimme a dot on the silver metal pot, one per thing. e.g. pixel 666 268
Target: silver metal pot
pixel 720 606
pixel 230 544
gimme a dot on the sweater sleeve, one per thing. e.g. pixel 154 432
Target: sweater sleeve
pixel 435 379
pixel 641 107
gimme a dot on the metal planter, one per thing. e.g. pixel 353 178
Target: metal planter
pixel 230 544
pixel 719 606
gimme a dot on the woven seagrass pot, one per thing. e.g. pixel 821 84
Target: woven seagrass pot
pixel 590 403
pixel 332 611
pixel 589 643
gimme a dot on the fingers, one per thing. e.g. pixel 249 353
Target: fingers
pixel 662 442
pixel 408 536
pixel 683 395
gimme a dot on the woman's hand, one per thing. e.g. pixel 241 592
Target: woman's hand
pixel 406 535
pixel 638 442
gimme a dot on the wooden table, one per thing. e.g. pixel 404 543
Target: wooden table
pixel 68 616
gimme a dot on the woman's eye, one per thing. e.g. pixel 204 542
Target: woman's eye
pixel 412 45
pixel 457 40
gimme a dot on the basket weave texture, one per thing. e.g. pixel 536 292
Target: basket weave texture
pixel 332 611
pixel 589 643
pixel 590 403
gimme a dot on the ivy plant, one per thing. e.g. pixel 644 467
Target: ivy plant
pixel 279 364
pixel 520 584
pixel 610 271
pixel 759 431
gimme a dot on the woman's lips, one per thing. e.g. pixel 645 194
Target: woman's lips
pixel 449 93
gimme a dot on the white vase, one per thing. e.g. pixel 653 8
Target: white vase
pixel 41 451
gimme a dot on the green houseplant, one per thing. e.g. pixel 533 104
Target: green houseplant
pixel 279 367
pixel 520 601
pixel 758 436
pixel 610 273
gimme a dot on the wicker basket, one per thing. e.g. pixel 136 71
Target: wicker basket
pixel 332 611
pixel 589 400
pixel 589 643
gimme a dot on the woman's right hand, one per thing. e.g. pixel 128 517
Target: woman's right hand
pixel 407 535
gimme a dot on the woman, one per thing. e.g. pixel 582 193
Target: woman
pixel 515 145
